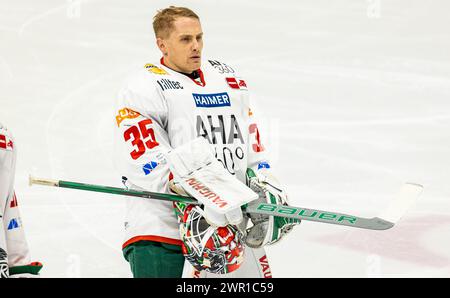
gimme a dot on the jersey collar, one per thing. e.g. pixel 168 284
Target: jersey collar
pixel 196 76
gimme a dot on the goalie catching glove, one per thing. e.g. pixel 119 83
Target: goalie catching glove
pixel 267 229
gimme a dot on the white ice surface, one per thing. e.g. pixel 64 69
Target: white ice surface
pixel 354 94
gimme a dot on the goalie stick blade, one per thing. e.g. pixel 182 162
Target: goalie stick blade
pixel 320 216
pixel 404 200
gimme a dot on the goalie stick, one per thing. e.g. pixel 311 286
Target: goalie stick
pixel 408 194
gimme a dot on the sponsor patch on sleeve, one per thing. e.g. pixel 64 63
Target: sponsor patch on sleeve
pixel 6 143
pixel 126 113
pixel 149 167
pixel 263 165
pixel 14 223
pixel 236 83
pixel 155 69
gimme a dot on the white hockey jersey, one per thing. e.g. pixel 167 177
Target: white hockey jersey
pixel 14 253
pixel 159 109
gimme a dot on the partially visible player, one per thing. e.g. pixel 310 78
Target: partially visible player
pixel 14 253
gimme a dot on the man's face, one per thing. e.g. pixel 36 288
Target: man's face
pixel 182 49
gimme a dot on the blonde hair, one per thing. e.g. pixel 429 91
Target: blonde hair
pixel 163 20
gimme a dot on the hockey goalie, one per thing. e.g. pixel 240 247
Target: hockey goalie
pixel 184 125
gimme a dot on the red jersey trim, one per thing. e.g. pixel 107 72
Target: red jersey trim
pixel 152 238
pixel 200 73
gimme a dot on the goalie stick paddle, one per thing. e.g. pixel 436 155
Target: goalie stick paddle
pixel 402 202
pixel 407 196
